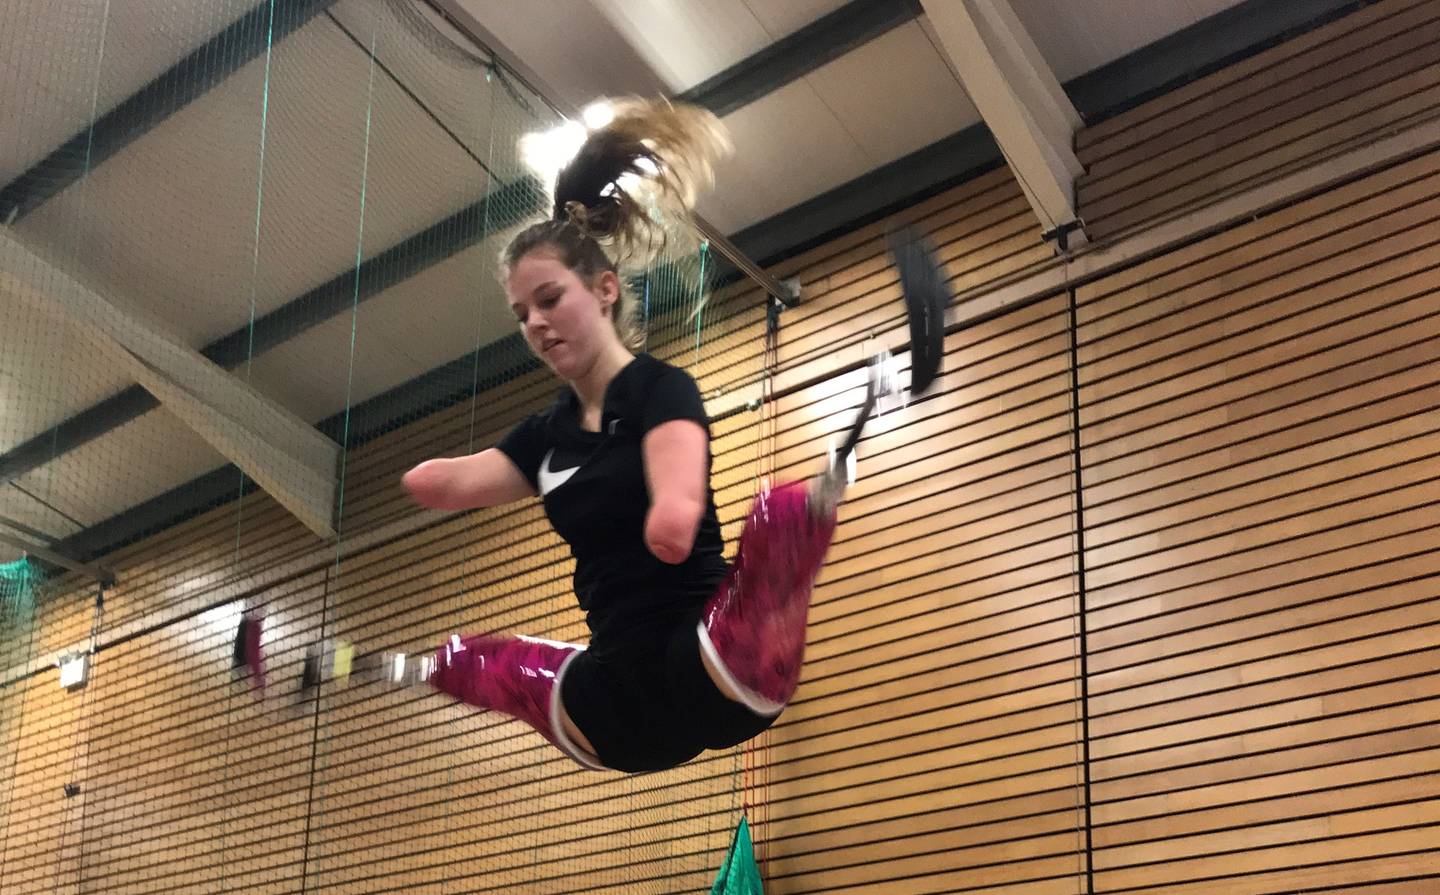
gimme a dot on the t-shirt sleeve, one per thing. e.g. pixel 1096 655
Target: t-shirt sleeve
pixel 525 446
pixel 673 396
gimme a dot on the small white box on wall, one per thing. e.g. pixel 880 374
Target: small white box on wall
pixel 74 670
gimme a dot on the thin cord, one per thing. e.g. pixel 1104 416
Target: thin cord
pixel 700 304
pixel 333 573
pixel 769 428
pixel 1084 843
pixel 255 259
pixel 76 742
pixel 772 436
pixel 484 269
pixel 80 723
pixel 419 103
pixel 19 730
pixel 355 304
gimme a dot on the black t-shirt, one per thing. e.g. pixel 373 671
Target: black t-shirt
pixel 594 491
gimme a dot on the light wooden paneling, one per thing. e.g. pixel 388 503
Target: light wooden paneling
pixel 1340 85
pixel 1260 439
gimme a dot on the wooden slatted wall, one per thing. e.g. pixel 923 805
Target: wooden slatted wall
pixel 1335 87
pixel 1262 475
pixel 1258 421
pixel 1258 453
pixel 933 743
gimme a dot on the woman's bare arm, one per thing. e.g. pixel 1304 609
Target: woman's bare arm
pixel 486 479
pixel 675 471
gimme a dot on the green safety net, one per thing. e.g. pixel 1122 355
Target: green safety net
pixel 20 581
pixel 312 195
pixel 739 874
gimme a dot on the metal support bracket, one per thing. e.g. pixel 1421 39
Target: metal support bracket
pixel 1061 235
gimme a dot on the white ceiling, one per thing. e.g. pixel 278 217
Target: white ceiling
pixel 169 224
pixel 1078 37
pixel 53 53
pixel 714 35
pixel 878 103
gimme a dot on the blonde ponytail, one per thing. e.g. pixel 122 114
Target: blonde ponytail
pixel 645 168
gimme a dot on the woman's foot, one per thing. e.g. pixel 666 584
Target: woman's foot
pixel 518 676
pixel 826 491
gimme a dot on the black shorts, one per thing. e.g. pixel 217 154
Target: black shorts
pixel 650 705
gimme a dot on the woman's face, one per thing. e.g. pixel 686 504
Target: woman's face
pixel 565 321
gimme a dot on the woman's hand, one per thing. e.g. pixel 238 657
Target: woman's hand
pixel 675 472
pixel 486 479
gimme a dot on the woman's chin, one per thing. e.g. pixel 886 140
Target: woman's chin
pixel 560 361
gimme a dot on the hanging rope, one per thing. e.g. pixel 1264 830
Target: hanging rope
pixel 756 753
pixel 700 298
pixel 79 741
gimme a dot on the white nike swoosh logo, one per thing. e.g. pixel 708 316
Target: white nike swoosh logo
pixel 551 479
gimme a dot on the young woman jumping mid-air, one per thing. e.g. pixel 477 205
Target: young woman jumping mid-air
pixel 687 652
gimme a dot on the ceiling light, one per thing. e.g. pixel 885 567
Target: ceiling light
pixel 598 114
pixel 547 152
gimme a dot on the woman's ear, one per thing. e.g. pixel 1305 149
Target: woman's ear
pixel 607 288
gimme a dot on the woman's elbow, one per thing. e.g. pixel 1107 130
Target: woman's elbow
pixel 670 530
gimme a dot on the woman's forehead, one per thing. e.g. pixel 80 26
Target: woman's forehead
pixel 533 271
pixel 529 283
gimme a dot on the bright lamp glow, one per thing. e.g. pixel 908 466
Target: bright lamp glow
pixel 598 114
pixel 221 619
pixel 549 151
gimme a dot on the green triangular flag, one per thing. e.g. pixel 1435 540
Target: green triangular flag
pixel 739 874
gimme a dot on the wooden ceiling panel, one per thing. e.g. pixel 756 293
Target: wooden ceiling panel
pixel 791 147
pixel 688 41
pixel 430 319
pixel 142 459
